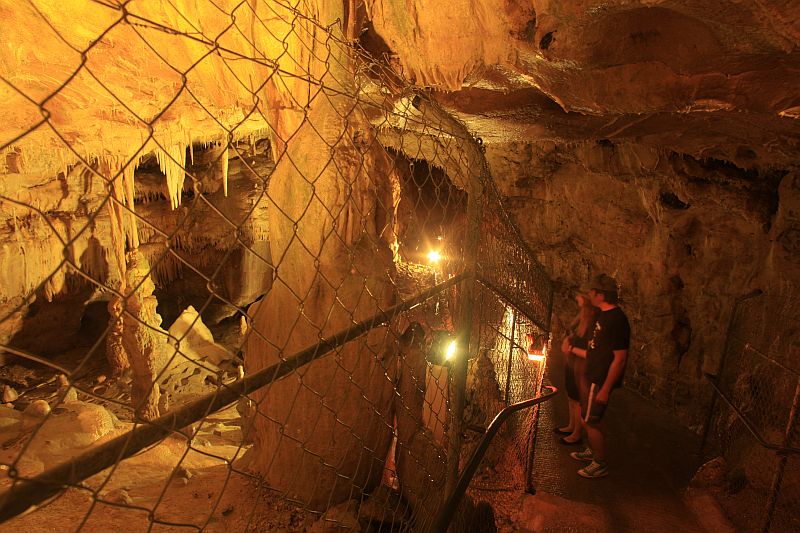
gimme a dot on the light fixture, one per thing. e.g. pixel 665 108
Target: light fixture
pixel 443 349
pixel 450 351
pixel 537 347
pixel 434 257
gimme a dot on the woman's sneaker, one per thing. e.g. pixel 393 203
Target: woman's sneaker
pixel 585 455
pixel 594 469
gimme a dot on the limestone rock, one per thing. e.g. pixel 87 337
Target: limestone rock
pixel 711 475
pixel 71 429
pixel 683 243
pixel 332 240
pixel 183 472
pixel 37 409
pixel 9 394
pixel 143 339
pixel 196 341
pixel 442 54
pixel 384 506
pixel 119 496
pixel 197 365
pixel 10 422
pixel 247 411
pixel 342 517
pixel 71 395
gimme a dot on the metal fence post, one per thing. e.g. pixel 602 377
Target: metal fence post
pixel 529 464
pixel 459 374
pixel 511 345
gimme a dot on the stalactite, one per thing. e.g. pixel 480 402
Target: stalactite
pixel 171 161
pixel 166 270
pixel 132 231
pixel 191 147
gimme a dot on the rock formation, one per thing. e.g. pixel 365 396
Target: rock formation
pixel 323 432
pixel 143 340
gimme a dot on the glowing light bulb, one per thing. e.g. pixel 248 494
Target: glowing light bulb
pixel 450 351
pixel 434 256
pixel 537 354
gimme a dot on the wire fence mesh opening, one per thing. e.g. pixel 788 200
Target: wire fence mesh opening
pixel 237 252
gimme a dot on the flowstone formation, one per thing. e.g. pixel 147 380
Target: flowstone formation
pixel 324 433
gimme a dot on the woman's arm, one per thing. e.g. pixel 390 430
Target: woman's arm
pixel 580 352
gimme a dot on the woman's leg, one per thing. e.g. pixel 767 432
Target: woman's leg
pixel 571 389
pixel 574 421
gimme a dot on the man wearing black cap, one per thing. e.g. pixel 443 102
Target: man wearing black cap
pixel 606 357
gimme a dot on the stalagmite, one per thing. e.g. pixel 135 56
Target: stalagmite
pixel 142 338
pixel 115 349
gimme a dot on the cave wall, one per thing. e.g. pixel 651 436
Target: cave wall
pixel 683 236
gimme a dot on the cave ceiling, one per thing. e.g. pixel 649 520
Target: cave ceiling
pixel 709 78
pixel 712 79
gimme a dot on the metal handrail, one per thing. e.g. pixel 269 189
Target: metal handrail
pixel 25 493
pixel 780 450
pixel 454 499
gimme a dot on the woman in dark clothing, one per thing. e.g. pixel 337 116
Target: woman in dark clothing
pixel 574 375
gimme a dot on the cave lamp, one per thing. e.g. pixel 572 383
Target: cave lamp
pixel 537 347
pixel 450 351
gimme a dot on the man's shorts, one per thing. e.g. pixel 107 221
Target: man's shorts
pixel 592 411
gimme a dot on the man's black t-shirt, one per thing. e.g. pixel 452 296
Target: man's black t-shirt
pixel 611 332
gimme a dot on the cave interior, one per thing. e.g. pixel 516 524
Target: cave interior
pixel 195 192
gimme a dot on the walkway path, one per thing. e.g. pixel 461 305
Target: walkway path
pixel 652 458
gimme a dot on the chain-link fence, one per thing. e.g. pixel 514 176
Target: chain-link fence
pixel 244 267
pixel 754 424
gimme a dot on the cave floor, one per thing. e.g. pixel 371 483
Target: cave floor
pixel 652 458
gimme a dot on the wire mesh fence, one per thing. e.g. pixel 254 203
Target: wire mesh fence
pixel 755 426
pixel 506 371
pixel 239 261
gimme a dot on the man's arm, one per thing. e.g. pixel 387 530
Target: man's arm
pixel 614 373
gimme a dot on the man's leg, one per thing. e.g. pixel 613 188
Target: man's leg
pixel 596 453
pixel 594 432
